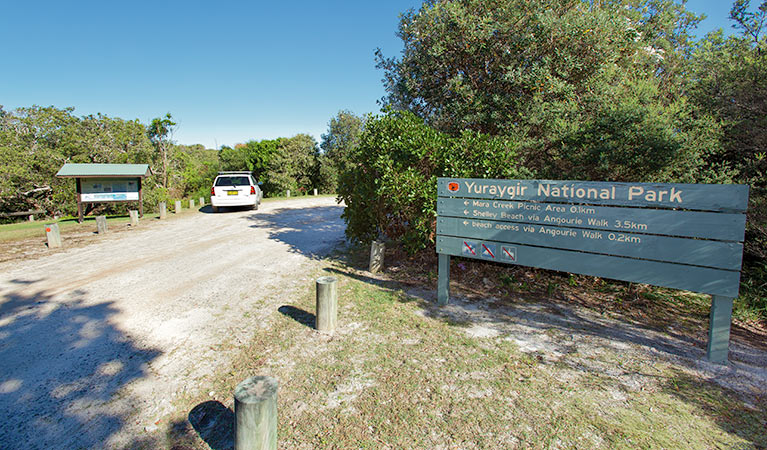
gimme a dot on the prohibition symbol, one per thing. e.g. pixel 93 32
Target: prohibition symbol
pixel 509 253
pixel 488 251
pixel 469 248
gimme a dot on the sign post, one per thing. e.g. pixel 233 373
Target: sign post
pixel 683 236
pixel 103 183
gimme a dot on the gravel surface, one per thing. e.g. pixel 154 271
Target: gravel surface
pixel 97 341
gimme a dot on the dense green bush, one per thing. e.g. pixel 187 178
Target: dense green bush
pixel 390 183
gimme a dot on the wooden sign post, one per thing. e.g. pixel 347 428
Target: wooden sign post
pixel 683 236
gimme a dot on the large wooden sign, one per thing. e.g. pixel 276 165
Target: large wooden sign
pixel 684 236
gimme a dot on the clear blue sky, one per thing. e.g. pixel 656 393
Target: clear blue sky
pixel 227 71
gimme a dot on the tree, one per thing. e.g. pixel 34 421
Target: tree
pixel 342 137
pixel 160 132
pixel 587 89
pixel 292 166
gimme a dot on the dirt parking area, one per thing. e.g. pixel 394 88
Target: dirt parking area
pixel 97 340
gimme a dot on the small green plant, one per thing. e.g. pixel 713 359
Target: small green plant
pixel 507 279
pixel 572 281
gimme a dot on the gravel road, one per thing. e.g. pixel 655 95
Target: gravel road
pixel 96 341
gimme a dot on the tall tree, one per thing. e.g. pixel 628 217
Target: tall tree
pixel 342 137
pixel 160 132
pixel 590 90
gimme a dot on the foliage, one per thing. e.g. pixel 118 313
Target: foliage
pixel 343 136
pixel 588 90
pixel 160 132
pixel 389 186
pixel 292 166
pixel 36 141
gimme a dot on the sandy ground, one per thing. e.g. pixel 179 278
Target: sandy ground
pixel 96 341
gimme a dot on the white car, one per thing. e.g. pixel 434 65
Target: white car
pixel 235 189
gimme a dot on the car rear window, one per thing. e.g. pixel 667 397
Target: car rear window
pixel 232 181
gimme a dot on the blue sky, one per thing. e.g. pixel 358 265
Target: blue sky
pixel 227 71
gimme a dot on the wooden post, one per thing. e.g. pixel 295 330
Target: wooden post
pixel 719 329
pixel 177 207
pixel 163 210
pixel 78 188
pixel 443 279
pixel 315 192
pixel 101 224
pixel 255 414
pixel 31 217
pixel 327 304
pixel 53 235
pixel 140 199
pixel 133 217
pixel 202 201
pixel 376 256
pixel 191 203
pixel 288 193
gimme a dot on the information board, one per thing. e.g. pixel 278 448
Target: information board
pixel 684 236
pixel 109 189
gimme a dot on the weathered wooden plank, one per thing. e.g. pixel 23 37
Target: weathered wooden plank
pixel 719 329
pixel 708 225
pixel 704 197
pixel 692 278
pixel 718 254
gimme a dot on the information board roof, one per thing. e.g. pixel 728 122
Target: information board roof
pixel 103 170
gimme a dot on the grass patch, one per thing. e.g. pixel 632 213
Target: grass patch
pixel 395 377
pixel 26 230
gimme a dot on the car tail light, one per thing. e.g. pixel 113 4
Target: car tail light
pixel 213 191
pixel 252 190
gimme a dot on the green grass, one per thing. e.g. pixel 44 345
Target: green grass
pixel 26 230
pixel 392 377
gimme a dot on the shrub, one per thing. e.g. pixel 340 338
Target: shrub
pixel 390 184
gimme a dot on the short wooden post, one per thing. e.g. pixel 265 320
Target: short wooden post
pixel 719 329
pixel 191 203
pixel 288 193
pixel 376 256
pixel 315 192
pixel 53 235
pixel 255 414
pixel 443 279
pixel 31 217
pixel 327 304
pixel 163 210
pixel 178 207
pixel 202 201
pixel 133 217
pixel 101 224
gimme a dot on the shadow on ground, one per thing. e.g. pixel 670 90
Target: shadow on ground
pixel 313 232
pixel 299 315
pixel 63 364
pixel 214 423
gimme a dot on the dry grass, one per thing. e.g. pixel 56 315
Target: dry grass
pixel 400 373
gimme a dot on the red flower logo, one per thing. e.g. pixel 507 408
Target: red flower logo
pixel 452 187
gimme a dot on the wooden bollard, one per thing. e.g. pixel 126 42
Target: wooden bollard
pixel 101 224
pixel 31 217
pixel 327 304
pixel 178 207
pixel 202 201
pixel 288 193
pixel 163 210
pixel 191 203
pixel 315 192
pixel 53 235
pixel 133 217
pixel 255 414
pixel 377 256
